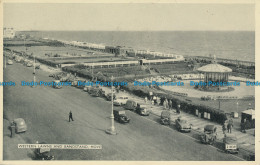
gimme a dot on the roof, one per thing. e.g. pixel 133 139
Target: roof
pixel 249 111
pixel 209 127
pixel 217 68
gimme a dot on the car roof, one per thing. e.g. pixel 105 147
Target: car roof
pixel 18 120
pixel 209 127
pixel 118 110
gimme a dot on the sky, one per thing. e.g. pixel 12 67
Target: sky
pixel 129 17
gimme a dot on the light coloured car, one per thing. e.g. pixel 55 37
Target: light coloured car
pixel 182 125
pixel 10 62
pixel 121 100
pixel 29 64
pixel 20 125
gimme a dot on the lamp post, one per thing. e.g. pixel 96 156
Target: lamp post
pixel 34 71
pixel 5 60
pixel 112 129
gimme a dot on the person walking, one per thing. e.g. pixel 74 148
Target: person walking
pixel 224 128
pixel 12 129
pixel 145 99
pixel 178 109
pixel 70 116
pixel 243 126
pixel 170 104
pixel 158 100
pixel 166 104
pixel 154 99
pixel 230 125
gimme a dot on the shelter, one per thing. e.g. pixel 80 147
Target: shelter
pixel 249 115
pixel 215 72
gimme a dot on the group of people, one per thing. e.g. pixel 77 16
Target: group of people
pixel 227 126
pixel 156 100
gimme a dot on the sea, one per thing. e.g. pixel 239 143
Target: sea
pixel 237 45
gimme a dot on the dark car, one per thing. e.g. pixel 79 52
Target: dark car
pixel 230 144
pixel 166 117
pixel 120 116
pixel 43 153
pixel 109 96
pixel 210 134
pixel 96 92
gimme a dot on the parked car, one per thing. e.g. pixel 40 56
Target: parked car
pixel 230 144
pixel 10 62
pixel 109 96
pixel 20 125
pixel 131 105
pixel 120 116
pixel 182 125
pixel 210 134
pixel 121 100
pixel 56 84
pixel 43 153
pixel 29 64
pixel 96 92
pixel 142 109
pixel 166 117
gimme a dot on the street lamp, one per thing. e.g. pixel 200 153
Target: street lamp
pixel 5 60
pixel 112 129
pixel 34 71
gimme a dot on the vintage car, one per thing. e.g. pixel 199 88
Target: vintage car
pixel 20 125
pixel 182 125
pixel 131 105
pixel 142 109
pixel 86 88
pixel 166 117
pixel 210 134
pixel 43 153
pixel 230 144
pixel 57 84
pixel 97 92
pixel 29 64
pixel 109 96
pixel 10 62
pixel 121 100
pixel 120 116
pixel 74 83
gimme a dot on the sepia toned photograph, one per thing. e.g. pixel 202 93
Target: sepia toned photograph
pixel 128 81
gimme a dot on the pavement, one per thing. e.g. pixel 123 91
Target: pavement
pixel 45 110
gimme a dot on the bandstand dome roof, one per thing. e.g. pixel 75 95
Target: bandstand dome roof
pixel 214 68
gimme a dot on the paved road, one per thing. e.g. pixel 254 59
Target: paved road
pixel 46 109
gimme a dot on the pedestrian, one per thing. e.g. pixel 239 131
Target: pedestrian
pixel 166 104
pixel 178 110
pixel 70 116
pixel 151 95
pixel 145 99
pixel 158 100
pixel 230 125
pixel 224 128
pixel 12 129
pixel 154 99
pixel 170 104
pixel 152 102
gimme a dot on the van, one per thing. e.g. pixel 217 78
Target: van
pixel 131 105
